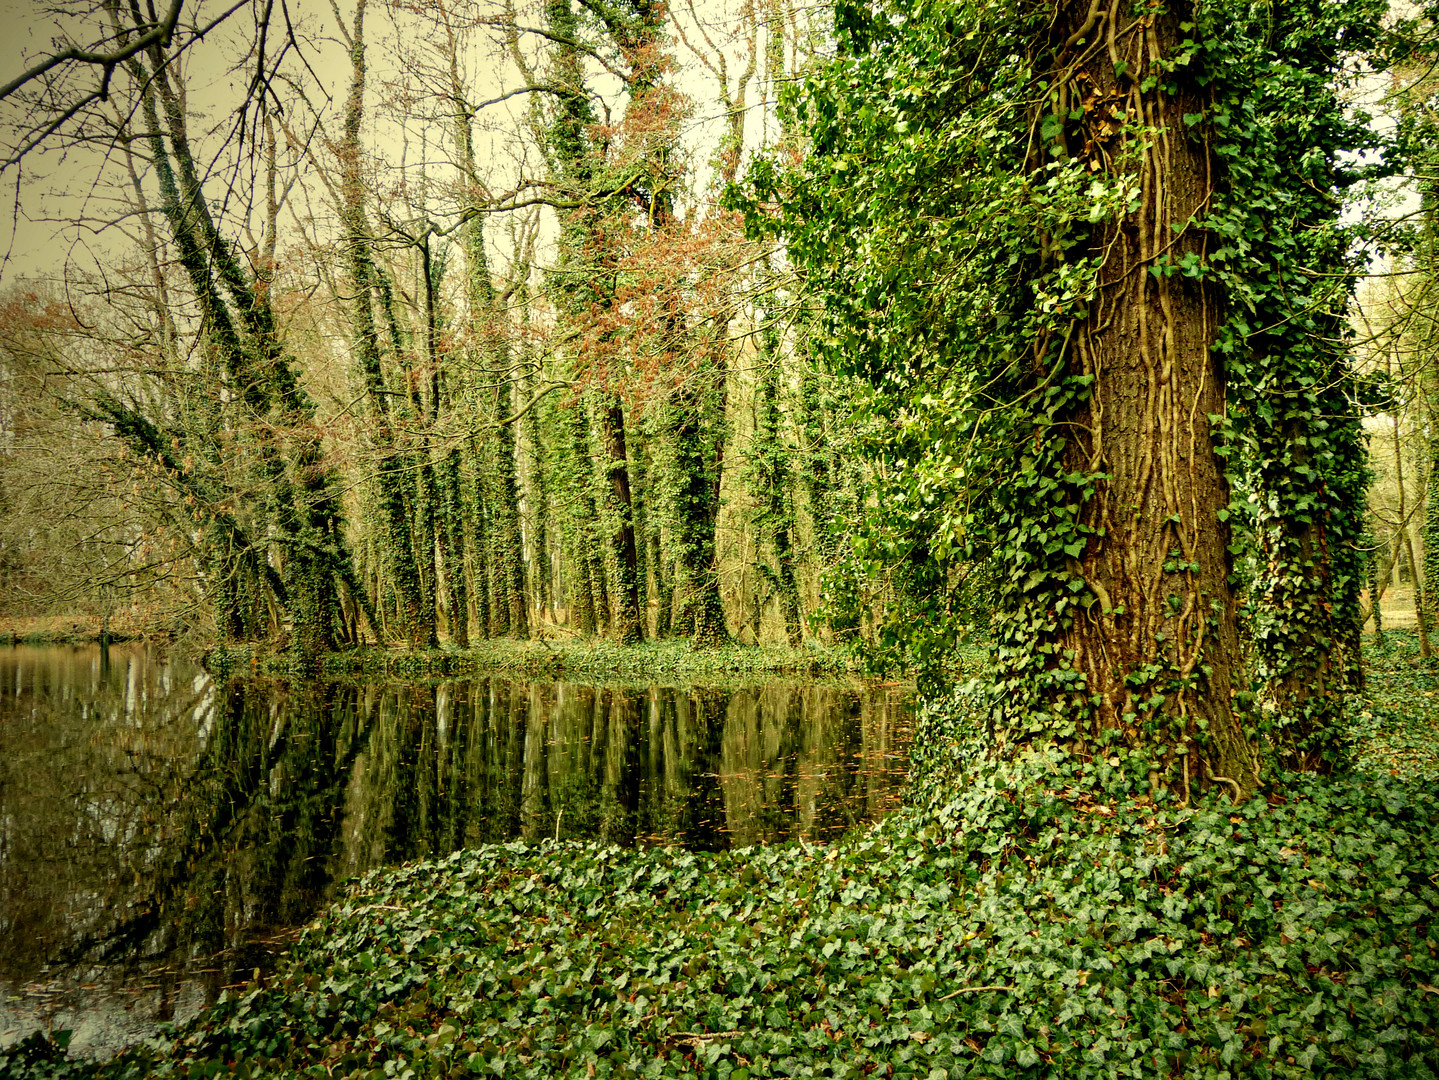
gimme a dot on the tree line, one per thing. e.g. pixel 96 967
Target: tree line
pixel 439 398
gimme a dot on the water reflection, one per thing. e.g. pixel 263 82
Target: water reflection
pixel 151 813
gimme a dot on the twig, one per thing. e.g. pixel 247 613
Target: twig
pixel 973 990
pixel 692 1037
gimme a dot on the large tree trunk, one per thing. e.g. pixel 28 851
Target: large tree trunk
pixel 1158 648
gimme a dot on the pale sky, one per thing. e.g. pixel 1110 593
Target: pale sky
pixel 49 231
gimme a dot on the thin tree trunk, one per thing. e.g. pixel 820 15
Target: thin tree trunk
pixel 390 479
pixel 626 623
pixel 1404 538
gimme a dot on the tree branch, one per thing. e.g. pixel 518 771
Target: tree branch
pixel 157 34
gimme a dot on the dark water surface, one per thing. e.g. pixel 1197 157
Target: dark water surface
pixel 163 832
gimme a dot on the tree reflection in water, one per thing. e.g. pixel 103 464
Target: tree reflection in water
pixel 149 812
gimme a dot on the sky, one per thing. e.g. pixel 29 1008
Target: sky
pixel 57 210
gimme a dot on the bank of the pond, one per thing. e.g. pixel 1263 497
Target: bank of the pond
pixel 1045 920
pixel 576 658
pixel 65 630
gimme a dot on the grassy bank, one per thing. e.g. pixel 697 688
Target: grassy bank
pixel 573 659
pixel 62 630
pixel 1047 918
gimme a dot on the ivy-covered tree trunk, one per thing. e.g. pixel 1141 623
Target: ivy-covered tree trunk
pixel 422 494
pixel 626 625
pixel 769 473
pixel 1151 660
pixel 693 510
pixel 658 583
pixel 390 477
pixel 1429 532
pixel 288 499
pixel 446 491
pixel 509 556
pixel 479 546
pixel 497 470
pixel 573 474
pixel 1298 448
pixel 535 478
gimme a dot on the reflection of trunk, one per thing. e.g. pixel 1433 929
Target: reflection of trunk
pixel 284 789
pixel 620 787
pixel 251 829
pixel 699 730
pixel 534 792
pixel 759 764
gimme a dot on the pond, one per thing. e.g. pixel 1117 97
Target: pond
pixel 164 832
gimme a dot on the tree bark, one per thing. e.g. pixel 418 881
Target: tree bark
pixel 1158 648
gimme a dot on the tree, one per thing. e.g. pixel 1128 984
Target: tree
pixel 1030 230
pixel 403 550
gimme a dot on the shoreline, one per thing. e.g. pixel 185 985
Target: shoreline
pixel 587 658
pixel 64 630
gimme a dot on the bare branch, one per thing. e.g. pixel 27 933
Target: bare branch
pixel 107 61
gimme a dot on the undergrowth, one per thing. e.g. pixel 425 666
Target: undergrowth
pixel 1047 917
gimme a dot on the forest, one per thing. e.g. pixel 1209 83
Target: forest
pixel 1075 360
pixel 432 324
pixel 427 325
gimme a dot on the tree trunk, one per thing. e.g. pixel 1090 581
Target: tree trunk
pixel 699 612
pixel 510 554
pixel 626 623
pixel 770 473
pixel 389 478
pixel 444 482
pixel 1158 668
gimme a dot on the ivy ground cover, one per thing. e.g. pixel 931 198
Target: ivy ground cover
pixel 1048 919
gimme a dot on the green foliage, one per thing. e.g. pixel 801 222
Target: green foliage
pixel 1395 728
pixel 921 233
pixel 1037 924
pixel 585 657
pixel 1292 436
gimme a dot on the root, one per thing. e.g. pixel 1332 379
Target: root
pixel 1238 791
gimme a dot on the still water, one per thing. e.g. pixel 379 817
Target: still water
pixel 163 832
